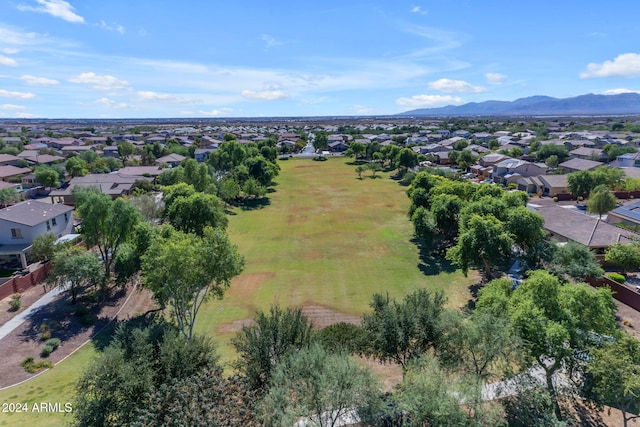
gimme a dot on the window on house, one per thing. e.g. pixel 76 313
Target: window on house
pixel 48 225
pixel 16 233
pixel 66 217
pixel 54 222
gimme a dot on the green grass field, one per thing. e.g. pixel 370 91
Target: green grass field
pixel 325 239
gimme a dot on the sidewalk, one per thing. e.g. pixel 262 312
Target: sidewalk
pixel 19 319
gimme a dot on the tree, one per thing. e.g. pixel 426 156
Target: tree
pixel 125 150
pixel 47 177
pixel 407 158
pixel 625 256
pixel 356 149
pixel 229 189
pixel 574 260
pixel 252 188
pixel 192 214
pixel 264 345
pixel 321 141
pixel 615 376
pixel 318 385
pixel 601 200
pixel 580 183
pixel 445 209
pixel 556 321
pixel 106 223
pixel 552 161
pixel 483 240
pixel 185 270
pixel 401 331
pixel 466 159
pixel 43 247
pixel 75 166
pixel 204 399
pixel 424 224
pixel 74 268
pixel 114 388
pixel 374 168
pixel 8 195
pixel 525 227
pixel 196 174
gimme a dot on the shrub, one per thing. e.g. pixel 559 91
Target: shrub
pixel 320 158
pixel 81 311
pixel 45 331
pixel 342 337
pixel 32 367
pixel 555 199
pixel 617 277
pixel 50 346
pixel 88 319
pixel 27 361
pixel 15 302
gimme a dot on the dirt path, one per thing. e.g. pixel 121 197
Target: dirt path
pixel 61 317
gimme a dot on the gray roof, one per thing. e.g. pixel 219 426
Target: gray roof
pixel 585 229
pixel 580 164
pixel 631 211
pixel 33 212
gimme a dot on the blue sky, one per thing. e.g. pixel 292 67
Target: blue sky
pixel 135 58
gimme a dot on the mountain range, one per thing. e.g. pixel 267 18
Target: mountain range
pixel 592 105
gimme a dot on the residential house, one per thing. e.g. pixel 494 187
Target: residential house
pixel 8 159
pixel 202 154
pixel 12 140
pixel 570 225
pixel 554 184
pixel 628 215
pixel 114 184
pixel 589 153
pixel 626 160
pixel 509 171
pixel 172 160
pixel 575 165
pixel 22 222
pixel 12 173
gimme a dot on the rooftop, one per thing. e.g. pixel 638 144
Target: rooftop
pixel 33 212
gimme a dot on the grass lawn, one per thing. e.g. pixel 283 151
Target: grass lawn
pixel 326 239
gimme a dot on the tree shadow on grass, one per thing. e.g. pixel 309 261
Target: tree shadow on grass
pixel 432 260
pixel 253 204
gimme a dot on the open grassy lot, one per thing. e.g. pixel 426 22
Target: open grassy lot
pixel 327 239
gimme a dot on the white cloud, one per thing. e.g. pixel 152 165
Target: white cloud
pixel 56 8
pixel 419 10
pixel 495 78
pixel 11 107
pixel 619 91
pixel 111 27
pixel 151 96
pixel 9 62
pixel 99 82
pixel 455 86
pixel 9 51
pixel 22 115
pixel 16 95
pixel 265 95
pixel 109 103
pixel 418 101
pixel 217 112
pixel 625 65
pixel 38 81
pixel 362 109
pixel 269 41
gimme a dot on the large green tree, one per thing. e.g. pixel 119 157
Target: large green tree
pixel 273 336
pixel 75 269
pixel 192 214
pixel 106 223
pixel 185 270
pixel 624 255
pixel 47 176
pixel 75 166
pixel 320 386
pixel 601 200
pixel 556 322
pixel 484 241
pixel 401 331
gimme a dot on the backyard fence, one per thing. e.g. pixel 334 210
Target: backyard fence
pixel 21 283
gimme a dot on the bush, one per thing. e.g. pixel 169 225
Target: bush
pixel 81 311
pixel 88 319
pixel 32 367
pixel 45 331
pixel 50 346
pixel 15 302
pixel 617 277
pixel 320 158
pixel 555 199
pixel 342 337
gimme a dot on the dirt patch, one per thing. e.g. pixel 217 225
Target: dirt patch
pixel 245 285
pixel 323 316
pixel 235 326
pixel 59 315
pixel 311 255
pixel 28 297
pixel 389 374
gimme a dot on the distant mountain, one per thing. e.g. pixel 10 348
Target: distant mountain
pixel 625 103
